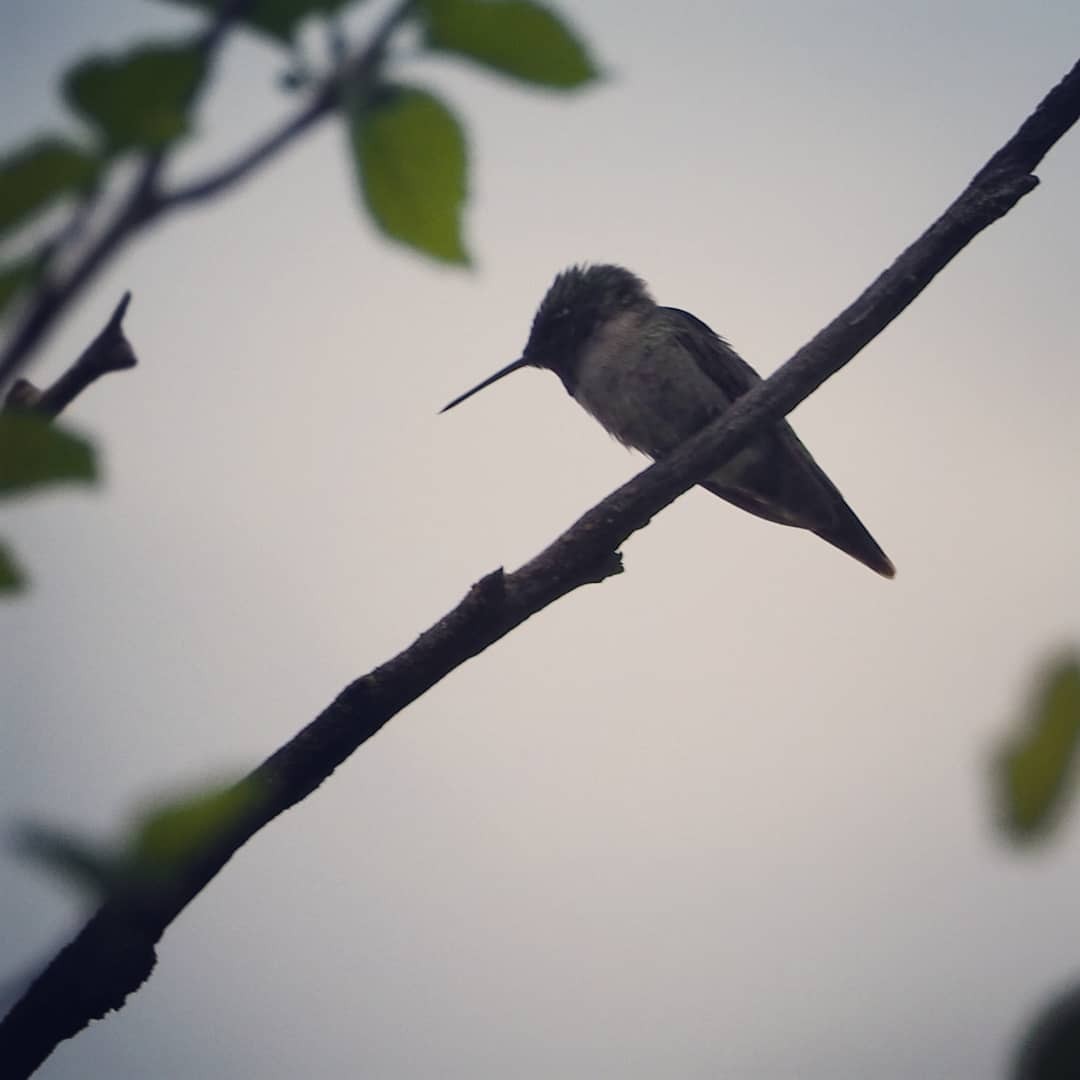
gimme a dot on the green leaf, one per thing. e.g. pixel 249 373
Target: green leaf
pixel 172 831
pixel 161 841
pixel 1033 771
pixel 515 37
pixel 35 451
pixel 140 99
pixel 15 277
pixel 39 173
pixel 278 19
pixel 80 862
pixel 409 152
pixel 11 577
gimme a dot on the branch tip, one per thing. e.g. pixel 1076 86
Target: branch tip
pixel 117 319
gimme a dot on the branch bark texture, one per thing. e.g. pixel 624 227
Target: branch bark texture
pixel 115 951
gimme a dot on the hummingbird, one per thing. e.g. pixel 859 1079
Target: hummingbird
pixel 653 376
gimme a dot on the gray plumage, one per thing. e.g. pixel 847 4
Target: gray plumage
pixel 654 375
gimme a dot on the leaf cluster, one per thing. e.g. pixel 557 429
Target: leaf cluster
pixel 408 147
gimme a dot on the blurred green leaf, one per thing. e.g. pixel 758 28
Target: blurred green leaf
pixel 410 158
pixel 172 831
pixel 79 862
pixel 39 173
pixel 515 37
pixel 140 99
pixel 35 451
pixel 159 843
pixel 11 577
pixel 279 19
pixel 14 278
pixel 1033 771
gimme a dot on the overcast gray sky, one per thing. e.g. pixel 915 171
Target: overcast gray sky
pixel 724 815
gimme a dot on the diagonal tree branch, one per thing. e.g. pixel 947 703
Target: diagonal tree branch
pixel 115 952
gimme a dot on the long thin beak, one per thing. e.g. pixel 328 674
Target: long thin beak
pixel 519 363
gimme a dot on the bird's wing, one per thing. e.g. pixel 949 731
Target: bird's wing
pixel 777 477
pixel 712 353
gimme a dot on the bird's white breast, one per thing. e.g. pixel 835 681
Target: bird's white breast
pixel 636 380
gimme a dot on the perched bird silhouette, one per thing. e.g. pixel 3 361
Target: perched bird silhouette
pixel 653 376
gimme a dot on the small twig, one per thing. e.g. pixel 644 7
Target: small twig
pixel 109 351
pixel 146 203
pixel 115 952
pixel 359 71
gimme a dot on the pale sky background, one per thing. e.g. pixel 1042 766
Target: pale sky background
pixel 726 815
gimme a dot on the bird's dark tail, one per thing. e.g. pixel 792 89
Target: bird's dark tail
pixel 850 535
pixel 777 479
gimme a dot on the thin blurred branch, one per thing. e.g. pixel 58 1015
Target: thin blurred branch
pixel 70 232
pixel 357 73
pixel 146 202
pixel 229 13
pixel 115 952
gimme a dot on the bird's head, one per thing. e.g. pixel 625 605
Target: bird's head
pixel 580 301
